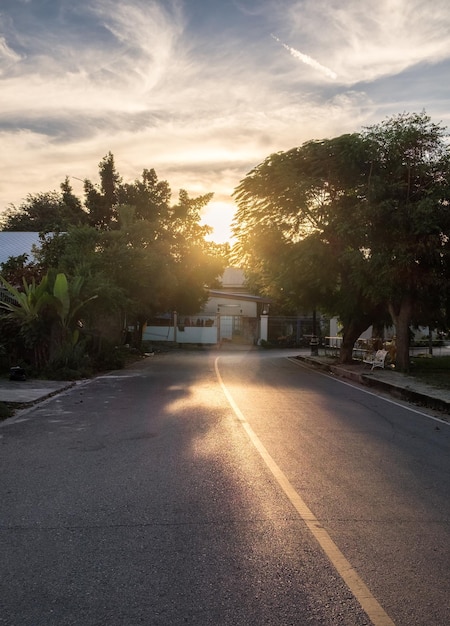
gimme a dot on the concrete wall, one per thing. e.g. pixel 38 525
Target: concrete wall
pixel 189 334
pixel 230 306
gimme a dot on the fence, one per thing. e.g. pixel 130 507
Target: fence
pixel 195 330
pixel 362 347
pixel 292 331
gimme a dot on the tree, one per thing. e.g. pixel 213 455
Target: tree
pixel 136 250
pixel 162 264
pixel 46 212
pixel 196 263
pixel 142 267
pixel 299 227
pixel 408 216
pixel 102 201
pixel 355 225
pixel 16 268
pixel 149 196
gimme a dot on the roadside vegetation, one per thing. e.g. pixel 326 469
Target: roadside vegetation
pixel 355 227
pixel 103 267
pixel 434 371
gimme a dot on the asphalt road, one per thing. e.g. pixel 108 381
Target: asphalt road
pixel 228 489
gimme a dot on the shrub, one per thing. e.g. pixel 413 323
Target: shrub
pixel 110 358
pixel 70 363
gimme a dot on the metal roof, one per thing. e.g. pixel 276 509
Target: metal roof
pixel 238 296
pixel 13 243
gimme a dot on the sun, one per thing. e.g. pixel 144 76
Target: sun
pixel 219 216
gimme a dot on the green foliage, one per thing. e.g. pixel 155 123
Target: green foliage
pixel 46 314
pixel 17 268
pixel 29 302
pixel 356 226
pixel 67 303
pixel 297 225
pixel 434 371
pixel 110 357
pixel 46 212
pixel 131 253
pixel 101 201
pixel 29 307
pixel 70 362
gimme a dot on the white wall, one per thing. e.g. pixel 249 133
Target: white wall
pixel 190 334
pixel 230 306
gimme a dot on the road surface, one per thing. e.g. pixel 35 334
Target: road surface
pixel 225 488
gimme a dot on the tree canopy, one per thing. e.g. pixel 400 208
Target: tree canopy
pixel 357 226
pixel 46 212
pixel 130 245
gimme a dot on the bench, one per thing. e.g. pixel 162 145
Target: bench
pixel 376 359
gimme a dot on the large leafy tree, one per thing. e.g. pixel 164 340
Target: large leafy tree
pixel 408 220
pixel 46 212
pixel 134 249
pixel 102 200
pixel 141 254
pixel 355 225
pixel 149 196
pixel 163 264
pixel 299 229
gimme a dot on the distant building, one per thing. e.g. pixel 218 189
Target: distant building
pixel 231 314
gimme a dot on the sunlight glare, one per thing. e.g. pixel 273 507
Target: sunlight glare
pixel 219 216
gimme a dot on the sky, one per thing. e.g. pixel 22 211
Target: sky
pixel 204 90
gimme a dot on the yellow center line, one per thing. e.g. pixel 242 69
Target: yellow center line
pixel 359 589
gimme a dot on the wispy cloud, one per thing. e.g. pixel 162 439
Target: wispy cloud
pixel 307 60
pixel 201 99
pixel 368 45
pixel 8 56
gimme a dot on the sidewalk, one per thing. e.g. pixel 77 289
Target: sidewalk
pixel 399 385
pixel 26 392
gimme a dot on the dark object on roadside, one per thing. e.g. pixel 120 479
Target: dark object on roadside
pixel 17 373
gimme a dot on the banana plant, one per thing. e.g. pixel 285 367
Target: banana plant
pixel 36 305
pixel 27 305
pixel 67 304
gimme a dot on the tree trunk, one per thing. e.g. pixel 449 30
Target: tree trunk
pixel 138 332
pixel 377 335
pixel 352 330
pixel 401 316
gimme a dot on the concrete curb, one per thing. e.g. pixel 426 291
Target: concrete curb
pixel 401 389
pixel 28 393
pixel 415 396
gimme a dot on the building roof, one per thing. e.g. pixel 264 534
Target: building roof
pixel 216 293
pixel 233 278
pixel 13 243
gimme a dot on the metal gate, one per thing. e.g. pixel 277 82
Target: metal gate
pixel 238 329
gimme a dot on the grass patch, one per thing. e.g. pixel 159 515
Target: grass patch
pixel 433 371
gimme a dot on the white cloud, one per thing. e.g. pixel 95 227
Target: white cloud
pixel 6 52
pixel 307 60
pixel 363 44
pixel 8 57
pixel 202 107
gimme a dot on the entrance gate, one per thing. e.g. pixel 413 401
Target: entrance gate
pixel 238 329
